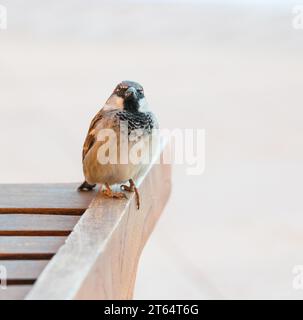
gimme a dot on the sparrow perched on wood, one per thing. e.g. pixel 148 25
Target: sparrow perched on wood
pixel 126 105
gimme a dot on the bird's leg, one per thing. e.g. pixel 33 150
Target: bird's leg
pixel 108 192
pixel 132 188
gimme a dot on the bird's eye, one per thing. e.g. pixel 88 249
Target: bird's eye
pixel 120 89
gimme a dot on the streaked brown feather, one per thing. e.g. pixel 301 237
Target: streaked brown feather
pixel 91 137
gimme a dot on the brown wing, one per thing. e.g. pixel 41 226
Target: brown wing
pixel 91 137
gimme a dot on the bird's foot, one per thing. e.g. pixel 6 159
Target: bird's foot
pixel 108 192
pixel 85 186
pixel 132 188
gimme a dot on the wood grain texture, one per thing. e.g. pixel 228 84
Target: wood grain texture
pixel 44 198
pixel 23 272
pixel 100 257
pixel 36 225
pixel 29 247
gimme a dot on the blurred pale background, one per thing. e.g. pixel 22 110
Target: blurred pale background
pixel 234 68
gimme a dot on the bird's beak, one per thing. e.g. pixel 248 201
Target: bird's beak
pixel 130 93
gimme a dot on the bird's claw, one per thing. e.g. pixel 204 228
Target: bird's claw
pixel 132 188
pixel 116 195
pixel 108 192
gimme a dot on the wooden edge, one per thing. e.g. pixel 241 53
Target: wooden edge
pixel 100 257
pixel 50 198
pixel 36 225
pixel 23 271
pixel 29 248
pixel 46 211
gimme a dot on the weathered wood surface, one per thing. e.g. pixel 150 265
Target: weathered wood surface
pixel 15 292
pixel 23 271
pixel 44 198
pixel 100 257
pixel 36 225
pixel 24 248
pixel 35 220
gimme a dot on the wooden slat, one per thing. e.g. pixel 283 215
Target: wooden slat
pixel 23 272
pixel 36 225
pixel 29 247
pixel 44 198
pixel 14 292
pixel 100 257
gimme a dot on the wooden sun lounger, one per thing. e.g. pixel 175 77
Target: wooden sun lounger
pixel 57 243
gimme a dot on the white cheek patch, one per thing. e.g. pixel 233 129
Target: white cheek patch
pixel 143 105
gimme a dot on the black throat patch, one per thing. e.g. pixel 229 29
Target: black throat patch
pixel 137 121
pixel 131 105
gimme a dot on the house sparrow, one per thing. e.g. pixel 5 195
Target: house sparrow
pixel 126 103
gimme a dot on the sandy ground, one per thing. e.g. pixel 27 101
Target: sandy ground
pixel 237 230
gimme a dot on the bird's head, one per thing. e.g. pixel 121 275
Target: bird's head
pixel 129 96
